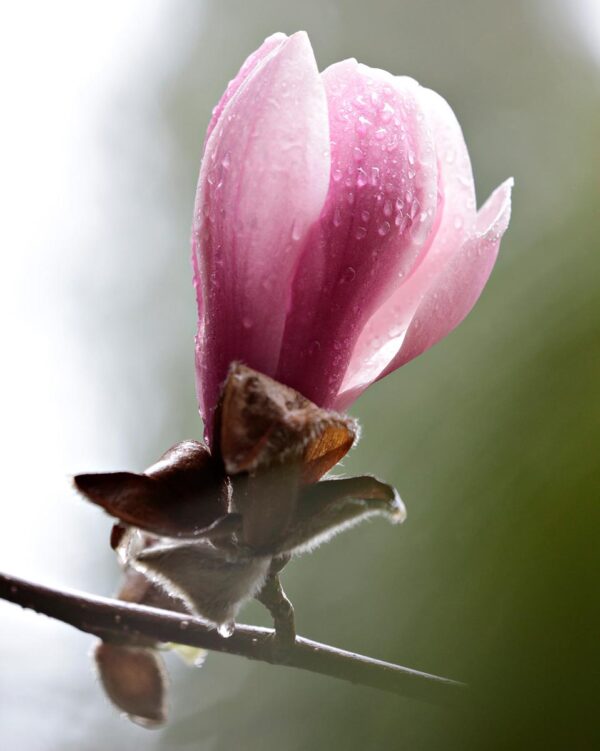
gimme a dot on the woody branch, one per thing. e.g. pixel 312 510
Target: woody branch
pixel 103 616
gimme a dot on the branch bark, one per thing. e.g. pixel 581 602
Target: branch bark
pixel 102 616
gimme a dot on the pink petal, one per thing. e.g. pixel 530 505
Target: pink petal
pixel 268 47
pixel 457 287
pixel 270 44
pixel 380 209
pixel 382 337
pixel 262 184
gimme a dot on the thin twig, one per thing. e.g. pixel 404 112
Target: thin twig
pixel 102 616
pixel 281 609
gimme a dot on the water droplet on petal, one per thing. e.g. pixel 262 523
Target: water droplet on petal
pixel 337 175
pixel 337 217
pixel 361 177
pixel 360 232
pixel 387 113
pixel 383 229
pixel 349 274
pixel 458 222
pixel 296 232
pixel 388 208
pixel 396 330
pixel 363 124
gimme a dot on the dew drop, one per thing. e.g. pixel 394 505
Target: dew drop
pixel 337 175
pixel 365 215
pixel 458 222
pixel 374 175
pixel 383 228
pixel 314 347
pixel 411 157
pixel 388 208
pixel 380 134
pixel 350 198
pixel 401 222
pixel 361 177
pixel 183 625
pixel 337 217
pixel 357 153
pixel 360 232
pixel 226 629
pixel 226 161
pixel 387 113
pixel 363 124
pixel 395 331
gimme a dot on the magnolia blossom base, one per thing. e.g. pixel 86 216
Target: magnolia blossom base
pixel 203 532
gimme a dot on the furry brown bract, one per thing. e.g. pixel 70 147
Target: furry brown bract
pixel 212 530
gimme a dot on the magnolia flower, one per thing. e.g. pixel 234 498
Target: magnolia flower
pixel 335 238
pixel 335 232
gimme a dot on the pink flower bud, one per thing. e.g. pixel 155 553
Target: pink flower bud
pixel 335 232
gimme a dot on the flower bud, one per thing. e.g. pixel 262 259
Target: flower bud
pixel 335 232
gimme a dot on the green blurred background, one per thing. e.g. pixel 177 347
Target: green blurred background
pixel 491 437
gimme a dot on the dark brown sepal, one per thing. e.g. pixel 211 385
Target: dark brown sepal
pixel 181 495
pixel 135 680
pixel 330 506
pixel 213 583
pixel 262 422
